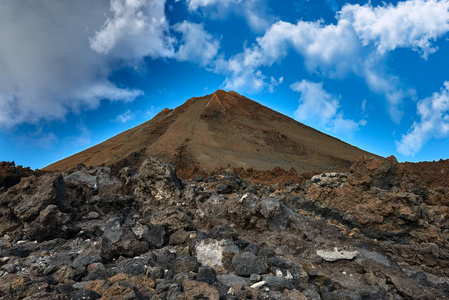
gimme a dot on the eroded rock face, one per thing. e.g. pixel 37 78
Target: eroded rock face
pixel 379 198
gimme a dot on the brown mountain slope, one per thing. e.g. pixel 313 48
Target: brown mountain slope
pixel 219 130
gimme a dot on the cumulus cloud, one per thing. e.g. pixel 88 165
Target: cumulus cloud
pixel 410 24
pixel 135 30
pixel 49 66
pixel 197 45
pixel 333 50
pixel 320 109
pixel 434 123
pixel 255 12
pixel 195 4
pixel 355 44
pixel 125 117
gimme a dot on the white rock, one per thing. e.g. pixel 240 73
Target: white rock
pixel 279 273
pixel 258 284
pixel 210 252
pixel 336 255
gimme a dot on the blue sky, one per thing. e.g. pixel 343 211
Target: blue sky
pixel 75 73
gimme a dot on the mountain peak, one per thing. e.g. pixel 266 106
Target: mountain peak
pixel 220 129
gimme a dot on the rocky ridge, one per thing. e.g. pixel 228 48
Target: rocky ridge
pixel 375 232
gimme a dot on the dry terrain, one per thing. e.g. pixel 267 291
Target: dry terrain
pixel 221 130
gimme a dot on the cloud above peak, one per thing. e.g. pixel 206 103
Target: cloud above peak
pixel 319 109
pixel 196 45
pixel 357 44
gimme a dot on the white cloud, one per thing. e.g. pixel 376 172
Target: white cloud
pixel 197 45
pixel 434 123
pixel 125 117
pixel 255 12
pixel 195 4
pixel 151 112
pixel 137 28
pixel 352 45
pixel 363 106
pixel 320 109
pixel 274 82
pixel 331 49
pixel 410 24
pixel 47 65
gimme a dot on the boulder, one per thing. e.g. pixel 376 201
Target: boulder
pixel 33 194
pixel 247 263
pixel 154 235
pixel 121 240
pixel 51 224
pixel 157 182
pixel 206 274
pixel 184 264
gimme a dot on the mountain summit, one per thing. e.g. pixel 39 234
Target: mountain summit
pixel 217 131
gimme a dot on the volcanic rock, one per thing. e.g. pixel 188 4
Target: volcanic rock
pixel 10 174
pixel 255 242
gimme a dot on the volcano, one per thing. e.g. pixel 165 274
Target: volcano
pixel 221 130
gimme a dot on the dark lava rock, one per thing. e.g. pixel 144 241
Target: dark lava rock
pixel 247 263
pixel 155 273
pixel 224 189
pixel 51 224
pixel 184 264
pixel 164 257
pixel 23 202
pixel 178 237
pixel 121 240
pixel 32 195
pixel 278 262
pixel 132 266
pixel 254 249
pixel 166 285
pixel 274 281
pixel 10 174
pixel 84 295
pixel 360 293
pixel 96 271
pixel 79 273
pixel 206 274
pixel 154 235
pixel 82 261
pixel 242 244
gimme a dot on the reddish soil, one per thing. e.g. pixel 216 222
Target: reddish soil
pixel 223 129
pixel 432 174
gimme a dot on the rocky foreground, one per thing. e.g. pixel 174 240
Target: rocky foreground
pixel 373 233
